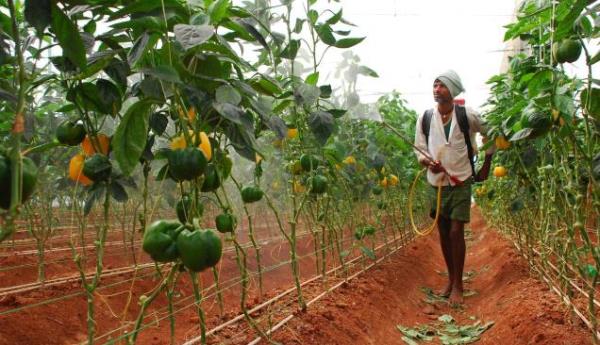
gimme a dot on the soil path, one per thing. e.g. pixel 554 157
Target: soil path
pixel 368 309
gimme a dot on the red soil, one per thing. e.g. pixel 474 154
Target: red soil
pixel 367 310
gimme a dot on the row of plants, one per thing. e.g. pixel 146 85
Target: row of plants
pixel 546 122
pixel 135 102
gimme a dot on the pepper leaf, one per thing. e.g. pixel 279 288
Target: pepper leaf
pixel 130 138
pixel 38 13
pixel 68 37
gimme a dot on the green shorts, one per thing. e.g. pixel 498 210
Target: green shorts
pixel 455 204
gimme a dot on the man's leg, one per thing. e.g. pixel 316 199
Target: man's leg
pixel 457 240
pixel 444 228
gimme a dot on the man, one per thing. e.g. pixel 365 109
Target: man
pixel 447 142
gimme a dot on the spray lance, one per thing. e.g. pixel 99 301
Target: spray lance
pixel 454 179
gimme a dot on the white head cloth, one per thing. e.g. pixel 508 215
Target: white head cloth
pixel 452 81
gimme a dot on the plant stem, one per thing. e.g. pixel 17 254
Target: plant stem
pixel 198 299
pixel 146 302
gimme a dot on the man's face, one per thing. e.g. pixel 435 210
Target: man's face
pixel 441 94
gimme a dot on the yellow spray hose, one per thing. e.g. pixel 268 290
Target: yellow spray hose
pixel 411 193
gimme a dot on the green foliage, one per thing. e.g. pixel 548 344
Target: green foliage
pixel 131 135
pixel 67 35
pixel 446 330
pixel 551 118
pixel 149 75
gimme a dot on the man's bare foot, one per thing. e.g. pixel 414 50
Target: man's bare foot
pixel 447 291
pixel 456 297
